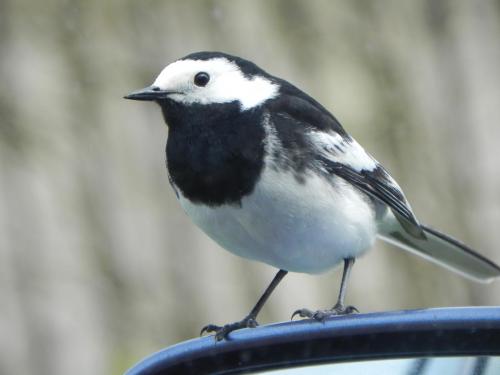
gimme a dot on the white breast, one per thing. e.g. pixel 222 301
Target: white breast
pixel 303 227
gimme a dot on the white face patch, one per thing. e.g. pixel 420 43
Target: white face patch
pixel 227 83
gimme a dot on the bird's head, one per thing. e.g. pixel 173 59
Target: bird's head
pixel 210 78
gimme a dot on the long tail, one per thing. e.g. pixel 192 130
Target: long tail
pixel 445 251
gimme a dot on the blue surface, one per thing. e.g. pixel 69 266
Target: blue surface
pixel 443 331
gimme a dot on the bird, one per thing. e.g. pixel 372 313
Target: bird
pixel 271 175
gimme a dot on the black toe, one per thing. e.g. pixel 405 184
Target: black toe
pixel 222 332
pixel 321 315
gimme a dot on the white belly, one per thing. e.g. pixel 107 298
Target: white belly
pixel 309 227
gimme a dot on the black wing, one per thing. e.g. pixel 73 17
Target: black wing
pixel 378 183
pixel 294 103
pixel 302 123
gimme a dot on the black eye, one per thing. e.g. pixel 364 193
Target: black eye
pixel 201 79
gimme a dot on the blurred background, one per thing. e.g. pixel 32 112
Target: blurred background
pixel 99 266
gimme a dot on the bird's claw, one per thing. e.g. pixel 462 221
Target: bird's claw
pixel 304 313
pixel 346 310
pixel 209 328
pixel 222 332
pixel 321 315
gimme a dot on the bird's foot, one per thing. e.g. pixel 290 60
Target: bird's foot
pixel 321 315
pixel 222 332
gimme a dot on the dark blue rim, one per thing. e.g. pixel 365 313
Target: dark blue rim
pixel 399 334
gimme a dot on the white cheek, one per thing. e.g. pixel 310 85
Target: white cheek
pixel 227 84
pixel 231 87
pixel 257 92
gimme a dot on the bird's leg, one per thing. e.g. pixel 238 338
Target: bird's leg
pixel 249 321
pixel 339 308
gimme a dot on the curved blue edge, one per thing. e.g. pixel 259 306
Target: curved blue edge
pixel 338 338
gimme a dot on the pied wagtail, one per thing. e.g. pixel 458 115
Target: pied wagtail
pixel 270 175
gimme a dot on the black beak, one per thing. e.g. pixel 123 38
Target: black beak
pixel 149 93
